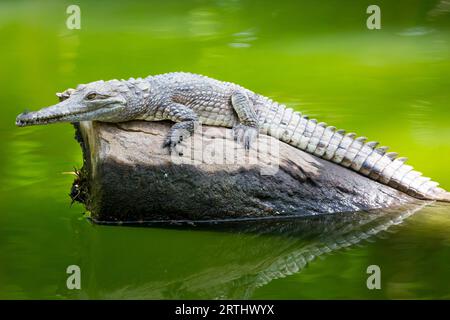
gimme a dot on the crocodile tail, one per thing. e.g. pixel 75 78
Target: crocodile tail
pixel 348 150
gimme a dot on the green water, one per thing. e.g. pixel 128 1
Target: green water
pixel 391 85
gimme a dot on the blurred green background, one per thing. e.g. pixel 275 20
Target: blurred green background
pixel 391 85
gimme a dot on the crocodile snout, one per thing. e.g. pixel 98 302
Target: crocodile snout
pixel 32 118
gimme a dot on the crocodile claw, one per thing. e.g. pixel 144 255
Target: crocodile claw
pixel 245 135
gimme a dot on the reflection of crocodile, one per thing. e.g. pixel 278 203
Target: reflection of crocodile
pixel 323 235
pixel 190 99
pixel 231 267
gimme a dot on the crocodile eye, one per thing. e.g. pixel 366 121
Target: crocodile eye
pixel 91 96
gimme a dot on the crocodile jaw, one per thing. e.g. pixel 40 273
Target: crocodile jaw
pixel 62 112
pixel 34 118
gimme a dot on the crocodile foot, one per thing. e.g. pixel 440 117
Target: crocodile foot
pixel 177 134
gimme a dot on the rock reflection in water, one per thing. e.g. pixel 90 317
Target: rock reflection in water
pixel 248 255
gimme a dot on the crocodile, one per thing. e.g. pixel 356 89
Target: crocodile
pixel 191 99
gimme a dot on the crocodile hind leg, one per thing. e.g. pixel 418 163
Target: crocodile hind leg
pixel 187 121
pixel 247 130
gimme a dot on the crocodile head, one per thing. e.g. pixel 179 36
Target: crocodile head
pixel 95 101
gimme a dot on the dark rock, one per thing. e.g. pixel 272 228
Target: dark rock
pixel 128 177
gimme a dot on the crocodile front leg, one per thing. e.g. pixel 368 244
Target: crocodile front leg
pixel 247 130
pixel 187 122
